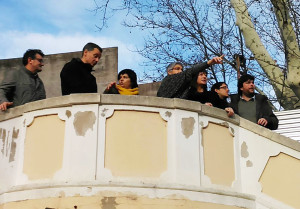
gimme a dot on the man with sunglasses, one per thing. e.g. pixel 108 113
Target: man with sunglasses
pixel 23 85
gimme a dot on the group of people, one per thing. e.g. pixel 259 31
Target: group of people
pixel 191 84
pixel 24 85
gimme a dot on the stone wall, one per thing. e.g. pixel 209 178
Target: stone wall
pixel 105 71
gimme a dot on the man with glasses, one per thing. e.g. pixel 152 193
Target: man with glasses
pixel 252 106
pixel 177 82
pixel 23 85
pixel 219 97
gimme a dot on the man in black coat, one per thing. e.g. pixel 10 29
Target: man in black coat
pixel 252 106
pixel 76 75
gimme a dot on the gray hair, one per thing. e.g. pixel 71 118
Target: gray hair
pixel 171 65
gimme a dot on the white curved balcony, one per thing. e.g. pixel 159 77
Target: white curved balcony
pixel 112 151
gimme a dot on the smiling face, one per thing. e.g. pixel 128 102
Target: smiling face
pixel 125 81
pixel 91 57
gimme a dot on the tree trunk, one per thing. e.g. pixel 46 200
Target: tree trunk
pixel 286 97
pixel 288 37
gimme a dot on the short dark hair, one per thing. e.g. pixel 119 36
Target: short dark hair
pixel 90 47
pixel 217 86
pixel 30 53
pixel 244 78
pixel 131 74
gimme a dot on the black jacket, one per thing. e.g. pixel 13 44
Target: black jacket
pixel 76 77
pixel 176 85
pixel 202 97
pixel 218 102
pixel 263 109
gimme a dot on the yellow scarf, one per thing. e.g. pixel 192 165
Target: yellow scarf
pixel 124 91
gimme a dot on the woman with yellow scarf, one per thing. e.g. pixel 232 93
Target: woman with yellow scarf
pixel 127 84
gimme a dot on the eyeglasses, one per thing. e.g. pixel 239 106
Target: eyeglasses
pixel 177 68
pixel 223 87
pixel 40 60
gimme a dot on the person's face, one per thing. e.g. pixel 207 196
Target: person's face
pixel 202 79
pixel 248 87
pixel 91 57
pixel 176 69
pixel 37 63
pixel 223 91
pixel 125 81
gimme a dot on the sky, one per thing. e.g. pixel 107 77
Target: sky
pixel 63 26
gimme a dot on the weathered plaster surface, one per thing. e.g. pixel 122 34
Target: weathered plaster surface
pixel 244 150
pixel 218 154
pixel 187 126
pixel 83 121
pixel 120 201
pixel 136 144
pixel 281 179
pixel 13 145
pixel 44 147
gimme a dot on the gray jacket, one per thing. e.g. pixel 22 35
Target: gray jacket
pixel 21 86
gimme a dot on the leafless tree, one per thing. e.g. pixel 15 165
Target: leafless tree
pixel 191 31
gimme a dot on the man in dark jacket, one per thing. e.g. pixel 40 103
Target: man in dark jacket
pixel 252 106
pixel 23 85
pixel 76 75
pixel 177 82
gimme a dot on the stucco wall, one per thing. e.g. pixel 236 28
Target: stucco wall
pixel 105 71
pixel 114 151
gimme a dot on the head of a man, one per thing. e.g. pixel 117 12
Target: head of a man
pixel 221 89
pixel 246 85
pixel 33 60
pixel 91 54
pixel 174 68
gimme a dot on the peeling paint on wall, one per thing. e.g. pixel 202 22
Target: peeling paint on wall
pixel 109 203
pixel 104 112
pixel 187 126
pixel 13 146
pixel 244 150
pixel 121 201
pixel 168 114
pixel 249 163
pixel 68 113
pixel 2 137
pixel 83 121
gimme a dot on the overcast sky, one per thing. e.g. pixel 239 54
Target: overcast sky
pixel 58 26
